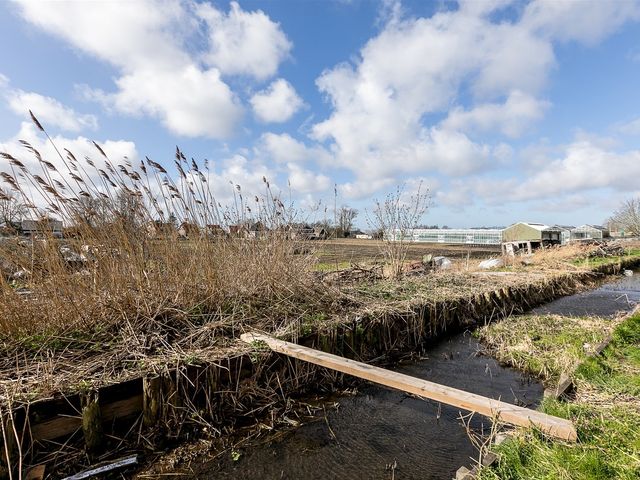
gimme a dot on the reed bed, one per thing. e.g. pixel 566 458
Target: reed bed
pixel 150 265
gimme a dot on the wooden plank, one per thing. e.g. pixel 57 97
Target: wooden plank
pixel 505 412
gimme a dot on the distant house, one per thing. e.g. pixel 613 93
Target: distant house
pixel 589 232
pixel 189 230
pixel 257 230
pixel 45 226
pixel 320 233
pixel 363 236
pixel 215 231
pixel 160 229
pixel 239 231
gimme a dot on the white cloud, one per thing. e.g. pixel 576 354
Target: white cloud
pixel 417 67
pixel 510 118
pixel 629 128
pixel 283 148
pixel 585 21
pixel 189 102
pixel 247 43
pixel 49 111
pixel 161 74
pixel 582 166
pixel 306 181
pixel 278 103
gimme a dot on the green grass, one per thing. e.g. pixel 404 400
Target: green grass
pixel 606 412
pixel 597 261
pixel 543 345
pixel 331 266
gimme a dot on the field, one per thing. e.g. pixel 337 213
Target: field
pixel 356 251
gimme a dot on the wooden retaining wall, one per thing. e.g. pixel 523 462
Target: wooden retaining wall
pixel 160 409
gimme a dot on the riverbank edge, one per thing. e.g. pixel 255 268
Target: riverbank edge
pixel 186 401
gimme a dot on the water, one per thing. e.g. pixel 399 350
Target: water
pixel 609 299
pixel 425 440
pixel 379 426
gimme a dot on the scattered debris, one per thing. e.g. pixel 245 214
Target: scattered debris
pixel 108 467
pixel 442 263
pixel 491 263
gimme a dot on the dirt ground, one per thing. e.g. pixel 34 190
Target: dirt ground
pixel 360 250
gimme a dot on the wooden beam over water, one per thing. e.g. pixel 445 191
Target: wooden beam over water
pixel 495 409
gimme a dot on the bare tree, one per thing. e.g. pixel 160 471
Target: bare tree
pixel 396 217
pixel 11 209
pixel 627 216
pixel 345 217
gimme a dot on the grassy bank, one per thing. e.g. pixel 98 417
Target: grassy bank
pixel 545 346
pixel 605 409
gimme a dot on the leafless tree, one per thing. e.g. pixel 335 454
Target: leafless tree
pixel 396 217
pixel 345 217
pixel 11 209
pixel 627 216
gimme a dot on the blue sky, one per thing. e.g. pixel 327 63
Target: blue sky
pixel 506 110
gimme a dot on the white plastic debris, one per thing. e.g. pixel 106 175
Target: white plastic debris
pixel 627 273
pixel 442 263
pixel 491 263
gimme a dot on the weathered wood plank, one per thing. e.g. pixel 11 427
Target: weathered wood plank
pixel 505 412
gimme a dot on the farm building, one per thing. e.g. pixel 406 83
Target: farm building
pixel 470 236
pixel 533 232
pixel 529 236
pixel 589 232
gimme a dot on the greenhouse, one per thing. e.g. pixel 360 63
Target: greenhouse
pixel 453 236
pixel 589 232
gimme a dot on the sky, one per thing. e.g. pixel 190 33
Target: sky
pixel 505 110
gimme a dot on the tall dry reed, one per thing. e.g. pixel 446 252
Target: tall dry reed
pixel 144 250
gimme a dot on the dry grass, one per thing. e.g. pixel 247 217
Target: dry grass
pixel 125 287
pixel 546 346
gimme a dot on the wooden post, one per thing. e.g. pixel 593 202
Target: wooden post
pixel 92 422
pixel 497 409
pixel 151 400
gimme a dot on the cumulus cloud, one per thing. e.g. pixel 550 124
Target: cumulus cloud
pixel 160 73
pixel 510 118
pixel 50 111
pixel 417 67
pixel 580 167
pixel 247 43
pixel 276 104
pixel 629 128
pixel 283 148
pixel 586 22
pixel 306 181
